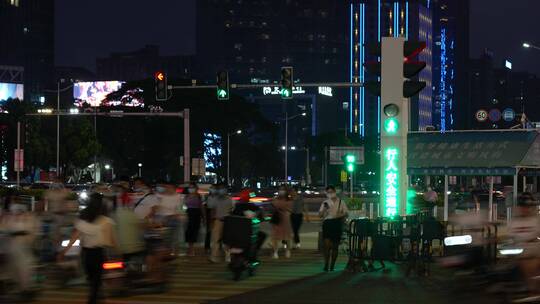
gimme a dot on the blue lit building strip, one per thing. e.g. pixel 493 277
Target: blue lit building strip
pixel 351 105
pixel 361 70
pixel 443 93
pixel 406 20
pixel 379 59
pixel 396 20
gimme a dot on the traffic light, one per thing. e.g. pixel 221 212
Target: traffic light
pixel 412 67
pixel 160 79
pixel 222 85
pixel 350 162
pixel 287 82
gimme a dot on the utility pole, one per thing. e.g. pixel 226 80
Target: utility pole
pixel 58 130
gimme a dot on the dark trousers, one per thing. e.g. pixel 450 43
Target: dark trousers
pixel 296 222
pixel 193 225
pixel 93 259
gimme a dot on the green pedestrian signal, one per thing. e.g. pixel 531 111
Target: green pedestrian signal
pixel 391 125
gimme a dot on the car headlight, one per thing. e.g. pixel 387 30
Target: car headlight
pixel 83 195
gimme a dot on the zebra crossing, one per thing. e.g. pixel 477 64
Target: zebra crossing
pixel 196 280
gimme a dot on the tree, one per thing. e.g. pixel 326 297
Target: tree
pixel 158 142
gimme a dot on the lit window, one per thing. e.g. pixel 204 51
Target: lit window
pixel 14 2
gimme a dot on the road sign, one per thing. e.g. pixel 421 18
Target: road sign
pixel 482 115
pixel 18 160
pixel 337 154
pixel 343 176
pixel 198 167
pixel 495 115
pixel 509 114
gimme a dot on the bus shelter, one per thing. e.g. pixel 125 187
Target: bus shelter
pixel 474 153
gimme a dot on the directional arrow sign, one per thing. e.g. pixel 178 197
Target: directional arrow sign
pixel 222 93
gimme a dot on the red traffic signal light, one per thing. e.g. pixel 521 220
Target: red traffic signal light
pixel 160 80
pixel 160 76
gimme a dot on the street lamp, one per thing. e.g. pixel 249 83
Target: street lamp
pixel 287 118
pixel 140 169
pixel 109 167
pixel 238 132
pixel 528 45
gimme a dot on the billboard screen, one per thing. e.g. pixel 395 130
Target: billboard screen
pixel 11 90
pixel 95 94
pixel 212 151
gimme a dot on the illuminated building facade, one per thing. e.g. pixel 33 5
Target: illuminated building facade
pixel 370 20
pixel 450 57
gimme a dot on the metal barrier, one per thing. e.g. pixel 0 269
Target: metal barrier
pixel 28 201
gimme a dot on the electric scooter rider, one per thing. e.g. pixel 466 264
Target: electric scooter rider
pixel 247 209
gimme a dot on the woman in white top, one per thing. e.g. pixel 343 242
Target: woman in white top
pixel 168 211
pixel 95 231
pixel 333 212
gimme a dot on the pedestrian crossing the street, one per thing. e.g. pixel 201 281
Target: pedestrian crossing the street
pixel 196 280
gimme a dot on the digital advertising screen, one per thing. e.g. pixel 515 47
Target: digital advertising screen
pixel 212 150
pixel 96 94
pixel 11 90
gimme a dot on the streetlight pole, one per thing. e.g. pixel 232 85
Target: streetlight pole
pixel 140 169
pixel 286 146
pixel 58 130
pixel 228 159
pixel 228 155
pixel 287 118
pixel 530 46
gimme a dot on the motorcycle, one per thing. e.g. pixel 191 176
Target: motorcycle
pixel 243 246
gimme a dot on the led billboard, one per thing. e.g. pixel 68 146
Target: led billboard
pixel 96 94
pixel 212 150
pixel 11 90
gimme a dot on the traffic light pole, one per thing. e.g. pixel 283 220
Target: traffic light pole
pixel 262 85
pixel 352 185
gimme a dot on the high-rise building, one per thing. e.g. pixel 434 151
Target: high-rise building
pixel 502 93
pixel 370 20
pixel 27 41
pixel 253 39
pixel 142 64
pixel 450 64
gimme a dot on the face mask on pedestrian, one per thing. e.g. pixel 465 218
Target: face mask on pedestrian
pixel 222 192
pixel 191 190
pixel 160 189
pixel 331 195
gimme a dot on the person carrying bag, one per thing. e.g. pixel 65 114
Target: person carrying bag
pixel 334 213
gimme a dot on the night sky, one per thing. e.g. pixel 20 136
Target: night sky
pixel 89 29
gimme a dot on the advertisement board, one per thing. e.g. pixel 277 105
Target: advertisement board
pixel 11 90
pixel 96 94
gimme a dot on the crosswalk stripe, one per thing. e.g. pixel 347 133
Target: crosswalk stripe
pixel 195 280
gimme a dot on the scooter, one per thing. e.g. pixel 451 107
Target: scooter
pixel 243 246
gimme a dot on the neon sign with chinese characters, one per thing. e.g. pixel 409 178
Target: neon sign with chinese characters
pixel 391 182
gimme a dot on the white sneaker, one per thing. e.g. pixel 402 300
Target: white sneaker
pixel 275 255
pixel 228 258
pixel 288 254
pixel 297 246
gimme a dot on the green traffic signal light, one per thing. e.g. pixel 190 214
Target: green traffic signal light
pixel 391 125
pixel 350 162
pixel 350 158
pixel 286 93
pixel 350 168
pixel 222 94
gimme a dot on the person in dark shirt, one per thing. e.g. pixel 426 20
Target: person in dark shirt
pixel 248 209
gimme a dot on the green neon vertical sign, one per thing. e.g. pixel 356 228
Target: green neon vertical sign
pixel 391 182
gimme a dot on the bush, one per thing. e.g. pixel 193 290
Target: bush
pixel 353 203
